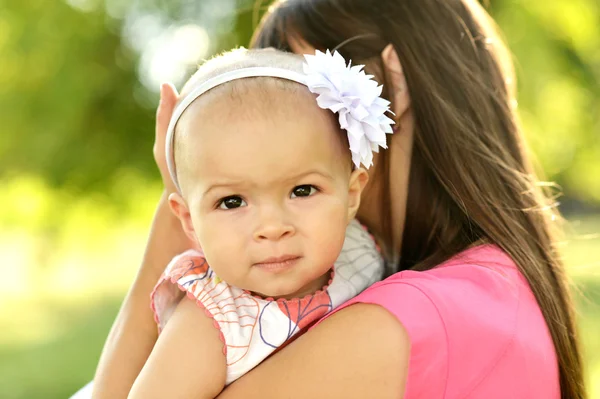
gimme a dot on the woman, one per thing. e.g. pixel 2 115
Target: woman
pixel 478 305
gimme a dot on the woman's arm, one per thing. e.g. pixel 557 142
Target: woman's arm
pixel 187 360
pixel 134 332
pixel 359 352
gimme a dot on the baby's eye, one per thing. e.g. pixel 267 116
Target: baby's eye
pixel 232 202
pixel 305 190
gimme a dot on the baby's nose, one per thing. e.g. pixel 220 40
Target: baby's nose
pixel 273 227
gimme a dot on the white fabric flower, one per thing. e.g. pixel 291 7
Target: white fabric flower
pixel 355 97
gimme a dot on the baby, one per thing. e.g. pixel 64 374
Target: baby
pixel 269 190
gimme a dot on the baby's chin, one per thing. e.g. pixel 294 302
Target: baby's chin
pixel 292 289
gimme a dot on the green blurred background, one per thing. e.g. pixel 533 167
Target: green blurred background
pixel 78 91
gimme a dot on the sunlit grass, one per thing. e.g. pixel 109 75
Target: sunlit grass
pixel 66 262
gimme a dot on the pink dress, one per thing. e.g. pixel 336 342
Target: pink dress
pixel 475 328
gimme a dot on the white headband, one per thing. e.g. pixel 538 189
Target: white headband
pixel 343 89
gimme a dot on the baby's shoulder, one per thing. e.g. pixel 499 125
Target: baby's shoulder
pixel 358 232
pixel 189 263
pixel 358 242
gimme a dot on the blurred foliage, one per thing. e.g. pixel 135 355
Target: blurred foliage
pixel 67 96
pixel 556 45
pixel 74 111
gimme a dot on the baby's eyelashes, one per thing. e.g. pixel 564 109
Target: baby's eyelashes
pixel 305 190
pixel 236 201
pixel 232 202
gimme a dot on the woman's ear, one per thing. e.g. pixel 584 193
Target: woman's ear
pixel 181 210
pixel 358 181
pixel 395 77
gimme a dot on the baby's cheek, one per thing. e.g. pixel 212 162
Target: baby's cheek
pixel 224 254
pixel 331 230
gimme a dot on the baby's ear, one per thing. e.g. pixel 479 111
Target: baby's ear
pixel 358 181
pixel 181 210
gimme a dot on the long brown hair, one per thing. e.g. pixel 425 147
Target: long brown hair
pixel 471 179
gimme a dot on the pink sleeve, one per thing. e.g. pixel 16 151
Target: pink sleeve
pixel 475 329
pixel 428 364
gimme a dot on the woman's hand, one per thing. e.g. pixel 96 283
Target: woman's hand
pixel 168 100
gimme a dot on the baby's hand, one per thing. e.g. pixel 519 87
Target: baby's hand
pixel 168 99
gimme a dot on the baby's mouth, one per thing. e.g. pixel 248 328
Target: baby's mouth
pixel 278 263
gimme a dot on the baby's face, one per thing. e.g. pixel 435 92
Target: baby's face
pixel 267 189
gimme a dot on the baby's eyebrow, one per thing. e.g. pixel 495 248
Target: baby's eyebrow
pixel 240 184
pixel 233 184
pixel 306 173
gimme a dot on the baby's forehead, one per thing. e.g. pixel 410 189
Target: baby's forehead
pixel 267 149
pixel 247 103
pixel 260 111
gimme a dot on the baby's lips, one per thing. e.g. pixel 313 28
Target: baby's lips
pixel 277 259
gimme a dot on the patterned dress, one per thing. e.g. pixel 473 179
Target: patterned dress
pixel 251 327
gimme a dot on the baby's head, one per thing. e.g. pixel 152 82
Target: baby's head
pixel 267 184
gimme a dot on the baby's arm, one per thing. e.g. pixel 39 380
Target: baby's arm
pixel 187 360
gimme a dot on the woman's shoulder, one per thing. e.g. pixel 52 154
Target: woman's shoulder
pixel 471 322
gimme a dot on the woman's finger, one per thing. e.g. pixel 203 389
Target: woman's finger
pixel 168 99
